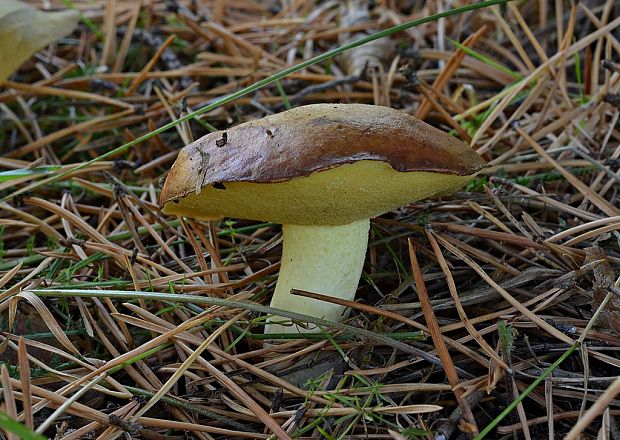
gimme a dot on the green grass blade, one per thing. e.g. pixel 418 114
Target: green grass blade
pixel 6 176
pixel 283 95
pixel 486 60
pixel 526 392
pixel 13 426
pixel 262 83
pixel 579 79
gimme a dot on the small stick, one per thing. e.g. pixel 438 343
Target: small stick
pixel 144 72
pixel 442 350
pixel 24 373
pixel 444 114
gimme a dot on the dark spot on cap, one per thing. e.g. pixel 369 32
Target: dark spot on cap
pixel 218 185
pixel 322 120
pixel 222 141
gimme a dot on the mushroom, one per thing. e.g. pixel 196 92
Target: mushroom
pixel 322 171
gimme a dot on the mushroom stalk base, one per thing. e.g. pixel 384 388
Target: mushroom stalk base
pixel 321 259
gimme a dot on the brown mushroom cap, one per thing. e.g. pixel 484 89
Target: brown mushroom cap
pixel 317 164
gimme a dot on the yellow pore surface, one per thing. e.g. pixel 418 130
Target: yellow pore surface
pixel 340 195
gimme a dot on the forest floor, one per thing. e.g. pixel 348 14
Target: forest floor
pixel 521 267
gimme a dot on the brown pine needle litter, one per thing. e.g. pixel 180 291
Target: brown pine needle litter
pixel 117 321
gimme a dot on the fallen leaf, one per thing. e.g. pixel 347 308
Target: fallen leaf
pixel 25 29
pixel 370 55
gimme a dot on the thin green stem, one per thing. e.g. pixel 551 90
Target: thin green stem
pixel 485 59
pixel 260 84
pixel 13 426
pixel 283 95
pixel 527 391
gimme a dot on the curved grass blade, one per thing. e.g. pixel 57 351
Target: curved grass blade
pixel 6 176
pixel 13 426
pixel 260 84
pixel 526 392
